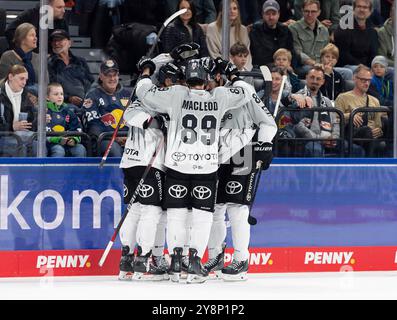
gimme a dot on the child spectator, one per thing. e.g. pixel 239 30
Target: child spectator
pixel 239 56
pixel 282 58
pixel 334 83
pixel 61 119
pixel 381 85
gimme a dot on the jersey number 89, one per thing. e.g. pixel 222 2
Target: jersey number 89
pixel 189 134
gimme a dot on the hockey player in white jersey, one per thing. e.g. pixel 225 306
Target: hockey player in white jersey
pixel 146 212
pixel 192 154
pixel 240 153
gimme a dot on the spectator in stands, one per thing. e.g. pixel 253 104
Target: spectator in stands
pixel 317 125
pixel 238 33
pixel 33 16
pixel 16 112
pixel 365 125
pixel 329 13
pixel 360 44
pixel 269 35
pixel 286 11
pixel 205 10
pixel 60 118
pixel 25 41
pixel 184 29
pixel 103 108
pixel 239 56
pixel 386 39
pixel 70 71
pixel 249 11
pixel 310 36
pixel 334 83
pixel 381 84
pixel 3 40
pixel 107 15
pixel 150 12
pixel 282 58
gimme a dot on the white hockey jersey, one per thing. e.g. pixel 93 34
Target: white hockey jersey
pixel 141 143
pixel 195 116
pixel 238 125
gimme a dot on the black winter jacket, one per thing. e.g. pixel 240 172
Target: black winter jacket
pixel 7 118
pixel 265 42
pixel 356 46
pixel 176 34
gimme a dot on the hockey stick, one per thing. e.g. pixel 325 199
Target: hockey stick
pixel 151 50
pixel 280 93
pixel 145 173
pixel 267 76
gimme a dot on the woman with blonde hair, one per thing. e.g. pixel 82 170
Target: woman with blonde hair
pixel 238 32
pixel 25 41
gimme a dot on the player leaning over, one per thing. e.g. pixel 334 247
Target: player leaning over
pixel 247 138
pixel 192 154
pixel 146 212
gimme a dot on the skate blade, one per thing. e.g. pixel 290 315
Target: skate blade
pixel 139 276
pixel 125 276
pixel 215 275
pixel 194 278
pixel 235 277
pixel 175 277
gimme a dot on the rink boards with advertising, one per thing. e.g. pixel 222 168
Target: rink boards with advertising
pixel 57 216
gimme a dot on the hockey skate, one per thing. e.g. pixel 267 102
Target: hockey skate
pixel 141 265
pixel 215 265
pixel 176 265
pixel 236 271
pixel 158 269
pixel 126 264
pixel 195 272
pixel 184 266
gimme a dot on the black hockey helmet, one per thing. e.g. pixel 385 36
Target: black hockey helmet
pixel 196 73
pixel 169 71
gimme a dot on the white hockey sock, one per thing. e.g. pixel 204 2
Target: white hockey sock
pixel 200 232
pixel 176 228
pixel 238 216
pixel 147 226
pixel 186 246
pixel 128 228
pixel 218 231
pixel 159 241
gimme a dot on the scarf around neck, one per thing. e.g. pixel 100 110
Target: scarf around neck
pixel 27 62
pixel 16 100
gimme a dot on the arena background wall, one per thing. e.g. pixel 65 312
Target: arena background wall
pixel 57 216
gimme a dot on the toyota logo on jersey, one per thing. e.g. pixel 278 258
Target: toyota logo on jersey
pixel 233 187
pixel 177 191
pixel 178 156
pixel 201 192
pixel 125 189
pixel 145 191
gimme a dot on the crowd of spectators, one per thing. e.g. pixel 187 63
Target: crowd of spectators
pixel 331 57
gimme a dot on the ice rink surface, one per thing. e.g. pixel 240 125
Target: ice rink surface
pixel 275 286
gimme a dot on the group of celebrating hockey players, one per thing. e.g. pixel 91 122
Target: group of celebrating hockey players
pixel 205 134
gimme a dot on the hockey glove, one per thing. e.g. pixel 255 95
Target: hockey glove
pixel 185 51
pixel 264 153
pixel 226 67
pixel 144 63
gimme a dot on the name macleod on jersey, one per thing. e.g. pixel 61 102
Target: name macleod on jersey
pixel 200 106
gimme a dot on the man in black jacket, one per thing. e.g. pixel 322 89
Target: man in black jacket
pixel 357 45
pixel 269 35
pixel 33 16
